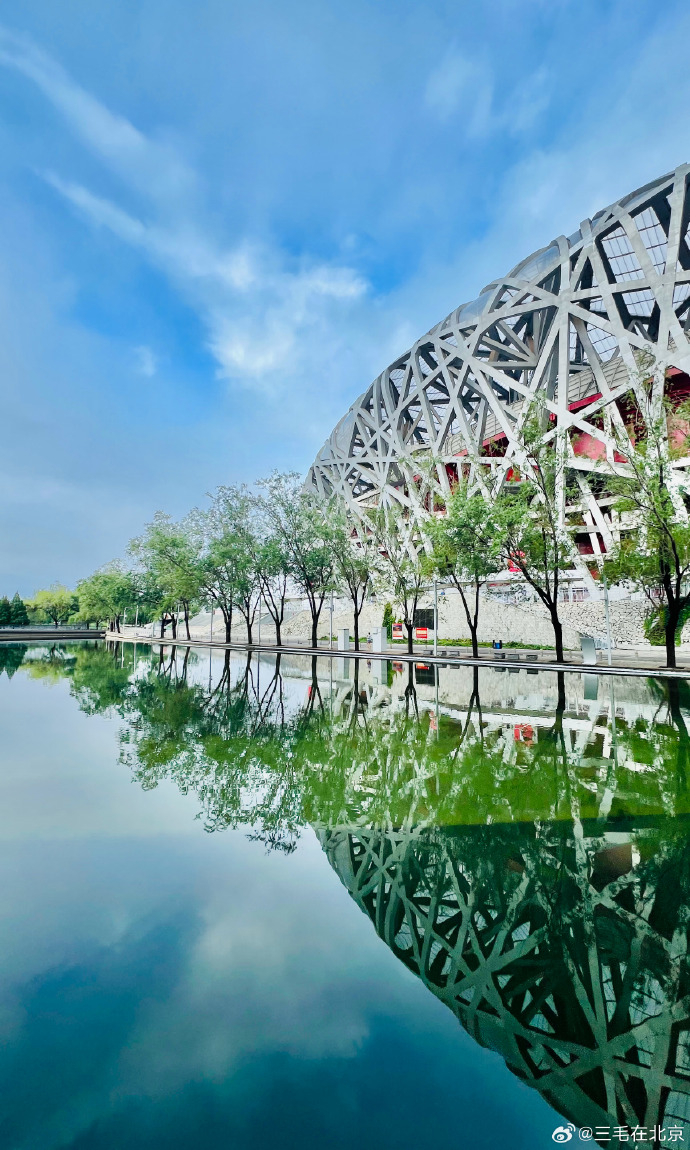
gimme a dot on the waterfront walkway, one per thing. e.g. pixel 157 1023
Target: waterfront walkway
pixel 642 664
pixel 31 634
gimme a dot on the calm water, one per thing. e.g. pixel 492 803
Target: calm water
pixel 325 903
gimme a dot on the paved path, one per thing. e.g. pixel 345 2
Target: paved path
pixel 507 659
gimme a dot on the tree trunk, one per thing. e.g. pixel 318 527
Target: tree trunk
pixel 356 630
pixel 670 628
pixel 409 637
pixel 173 620
pixel 186 619
pixel 164 625
pixel 248 621
pixel 474 625
pixel 314 630
pixel 475 644
pixel 278 638
pixel 228 628
pixel 557 634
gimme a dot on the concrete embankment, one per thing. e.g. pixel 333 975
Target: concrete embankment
pixel 501 660
pixel 49 634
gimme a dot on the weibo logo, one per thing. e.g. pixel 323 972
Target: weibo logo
pixel 563 1133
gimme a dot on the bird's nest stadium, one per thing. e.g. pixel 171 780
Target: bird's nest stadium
pixel 568 328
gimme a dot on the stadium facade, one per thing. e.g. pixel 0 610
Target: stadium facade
pixel 571 328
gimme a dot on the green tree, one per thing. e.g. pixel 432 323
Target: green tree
pixel 388 619
pixel 19 616
pixel 233 522
pixel 5 612
pixel 466 550
pixel 221 563
pixel 529 519
pixel 56 602
pixel 654 555
pixel 107 594
pixel 298 522
pixel 171 565
pixel 398 566
pixel 352 560
pixel 273 570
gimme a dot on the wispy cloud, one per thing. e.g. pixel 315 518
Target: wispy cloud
pixel 254 309
pixel 149 166
pixel 256 304
pixel 467 92
pixel 463 87
pixel 146 361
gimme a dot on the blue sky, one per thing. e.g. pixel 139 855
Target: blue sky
pixel 219 221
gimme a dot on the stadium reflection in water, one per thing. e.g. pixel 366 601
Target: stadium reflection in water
pixel 562 942
pixel 520 842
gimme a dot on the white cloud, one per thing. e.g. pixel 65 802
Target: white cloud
pixel 255 305
pixel 464 91
pixel 101 212
pixel 462 86
pixel 266 343
pixel 149 166
pixel 255 311
pixel 146 361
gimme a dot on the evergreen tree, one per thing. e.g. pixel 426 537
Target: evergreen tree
pixel 388 619
pixel 18 614
pixel 5 612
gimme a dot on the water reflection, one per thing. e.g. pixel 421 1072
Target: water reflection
pixel 519 841
pixel 561 946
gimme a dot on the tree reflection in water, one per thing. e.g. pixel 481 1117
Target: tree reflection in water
pixel 522 849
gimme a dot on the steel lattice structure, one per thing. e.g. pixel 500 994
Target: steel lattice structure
pixel 570 328
pixel 553 948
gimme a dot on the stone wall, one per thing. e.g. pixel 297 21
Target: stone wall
pixel 513 623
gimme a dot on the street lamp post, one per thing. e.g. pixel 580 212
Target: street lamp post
pixel 608 619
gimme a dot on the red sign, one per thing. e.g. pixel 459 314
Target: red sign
pixel 421 632
pixel 397 631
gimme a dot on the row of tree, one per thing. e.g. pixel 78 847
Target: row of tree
pixel 242 554
pixel 249 548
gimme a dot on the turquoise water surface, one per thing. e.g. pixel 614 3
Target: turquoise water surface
pixel 325 903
